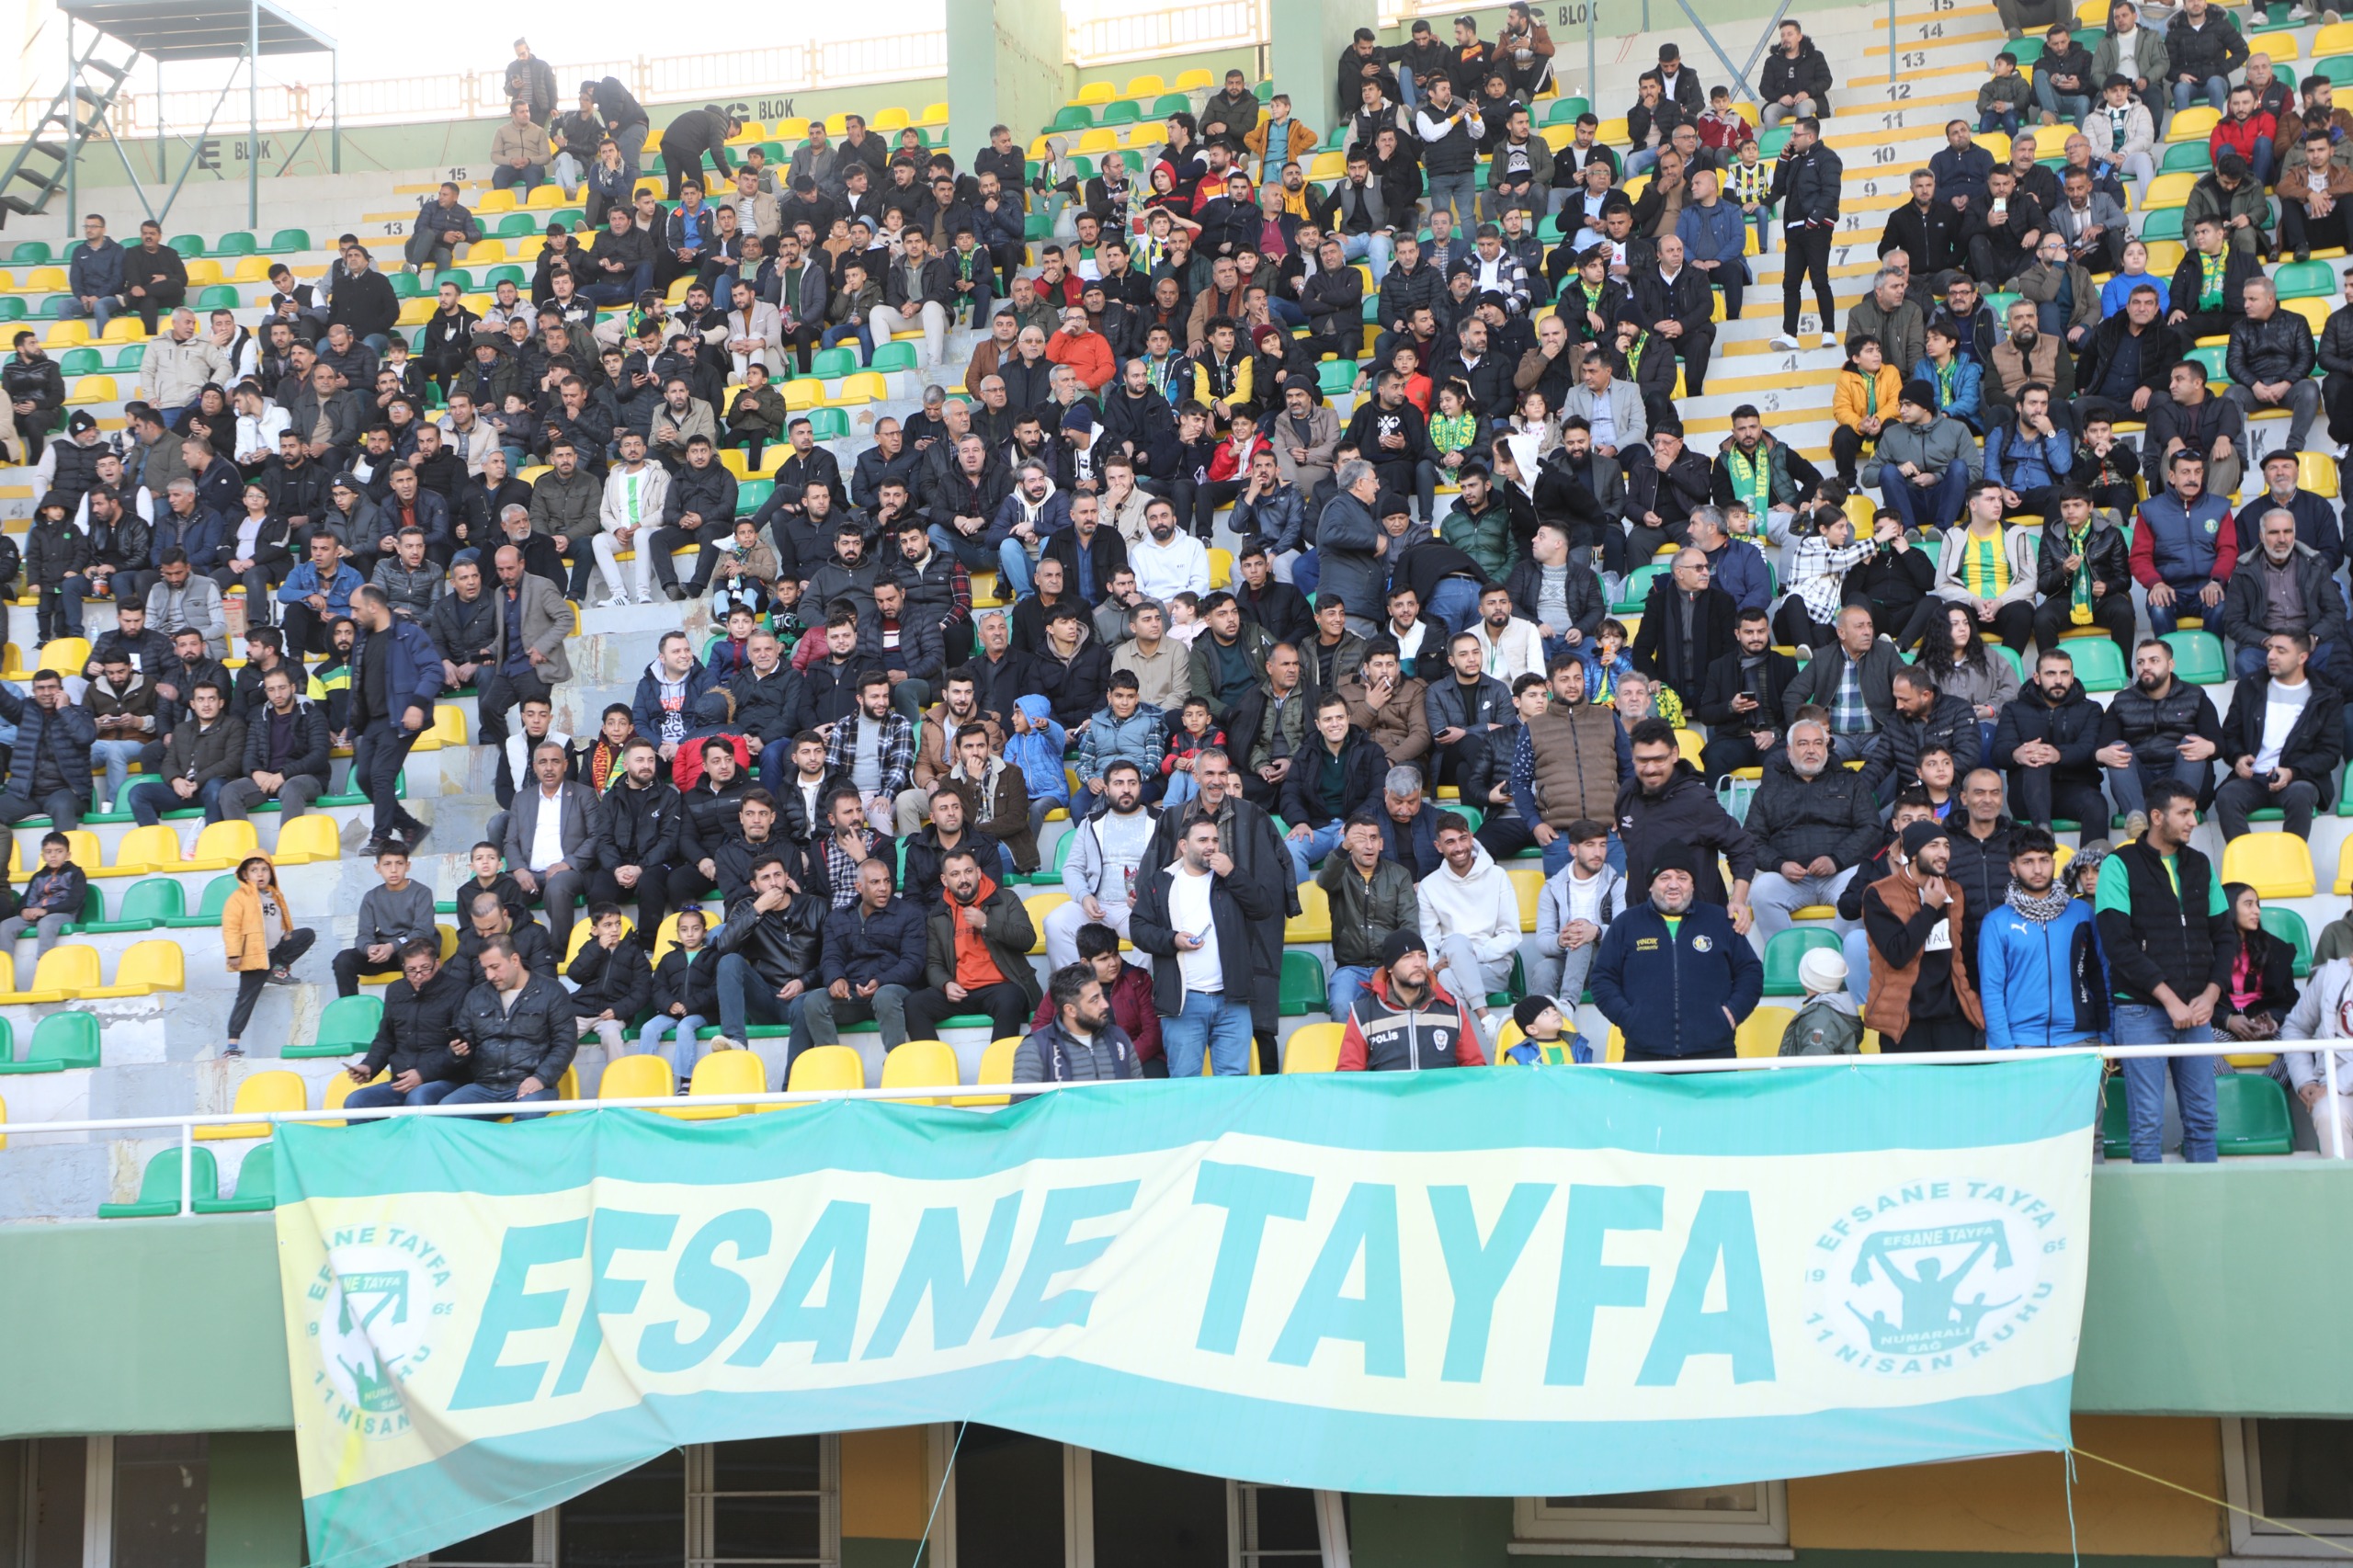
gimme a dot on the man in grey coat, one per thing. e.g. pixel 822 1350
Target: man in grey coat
pixel 1350 543
pixel 552 835
pixel 530 622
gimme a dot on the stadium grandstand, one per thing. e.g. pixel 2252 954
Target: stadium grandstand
pixel 1392 542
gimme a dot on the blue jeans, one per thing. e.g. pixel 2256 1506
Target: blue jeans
pixel 1933 507
pixel 848 331
pixel 2005 121
pixel 622 290
pixel 1211 1022
pixel 1306 852
pixel 2128 787
pixel 150 797
pixel 681 1050
pixel 2144 1085
pixel 1013 560
pixel 116 757
pixel 1347 984
pixel 2069 106
pixel 1181 788
pixel 2218 93
pixel 102 309
pixel 1376 250
pixel 2164 619
pixel 483 1094
pixel 774 758
pixel 745 996
pixel 1454 604
pixel 1641 161
pixel 378 1096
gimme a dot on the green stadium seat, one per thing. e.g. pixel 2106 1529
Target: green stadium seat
pixel 751 494
pixel 2193 156
pixel 31 253
pixel 829 424
pixel 1335 377
pixel 2338 68
pixel 2212 355
pixel 2305 280
pixel 1038 226
pixel 1167 104
pixel 2025 51
pixel 1771 139
pixel 240 243
pixel 286 241
pixel 159 1187
pixel 131 356
pixel 2099 664
pixel 517 226
pixel 79 362
pixel 12 307
pixel 830 364
pixel 60 1040
pixel 572 217
pixel 891 357
pixel 189 245
pixel 2115 1125
pixel 94 911
pixel 1637 589
pixel 2289 926
pixel 257 1186
pixel 1565 110
pixel 209 909
pixel 2198 657
pixel 2162 224
pixel 57 307
pixel 147 906
pixel 405 286
pixel 218 297
pixel 347 1026
pixel 1071 117
pixel 1787 951
pixel 1304 989
pixel 349 798
pixel 1122 111
pixel 508 274
pixel 2251 1116
pixel 458 275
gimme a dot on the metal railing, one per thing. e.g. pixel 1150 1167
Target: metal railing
pixel 1145 35
pixel 947 1094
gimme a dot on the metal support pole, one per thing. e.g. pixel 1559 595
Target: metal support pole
pixel 187 1159
pixel 2336 1124
pixel 1592 73
pixel 253 113
pixel 163 153
pixel 335 111
pixel 1890 44
pixel 73 127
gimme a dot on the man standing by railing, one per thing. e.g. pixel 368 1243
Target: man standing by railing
pixel 2163 917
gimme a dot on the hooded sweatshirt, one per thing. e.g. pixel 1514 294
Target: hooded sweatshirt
pixel 1038 754
pixel 1481 906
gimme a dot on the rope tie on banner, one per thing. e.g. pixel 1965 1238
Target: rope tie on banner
pixel 946 1474
pixel 2073 1452
pixel 2074 1550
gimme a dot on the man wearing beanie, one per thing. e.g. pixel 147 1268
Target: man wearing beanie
pixel 1925 459
pixel 1673 975
pixel 1921 998
pixel 1404 1020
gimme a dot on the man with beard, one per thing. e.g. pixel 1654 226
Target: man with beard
pixel 1673 973
pixel 1921 998
pixel 2046 738
pixel 2038 968
pixel 2028 359
pixel 1665 803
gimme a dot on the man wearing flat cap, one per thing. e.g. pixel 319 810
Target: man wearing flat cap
pixel 1673 973
pixel 1404 1020
pixel 1921 994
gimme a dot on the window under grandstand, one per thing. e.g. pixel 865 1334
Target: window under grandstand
pixel 2296 1472
pixel 1746 1521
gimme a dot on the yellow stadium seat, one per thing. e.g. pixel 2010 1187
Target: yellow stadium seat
pixel 997 1067
pixel 1611 132
pixel 277 1090
pixel 1314 1048
pixel 1144 87
pixel 2337 37
pixel 2169 190
pixel 1095 93
pixel 752 134
pixel 249 269
pixel 143 849
pixel 66 655
pixel 67 969
pixel 203 272
pixel 933 114
pixel 1196 79
pixel 2091 13
pixel 803 394
pixel 417 312
pixel 1511 1034
pixel 1151 136
pixel 1760 1033
pixel 2276 865
pixel 1220 568
pixel 863 386
pixel 544 199
pixel 1687 742
pixel 156 964
pixel 221 846
pixel 727 1072
pixel 2195 124
pixel 308 838
pixel 826 1067
pixel 1314 921
pixel 921 1064
pixel 791 129
pixel 2281 47
pixel 583 934
pixel 45 281
pixel 2317 472
pixel 449 724
pixel 892 118
pixel 93 389
pixel 495 201
pixel 1332 164
pixel 643 1076
pixel 489 250
pixel 339 1088
pixel 1099 140
pixel 2315 313
pixel 1527 881
pixel 1039 906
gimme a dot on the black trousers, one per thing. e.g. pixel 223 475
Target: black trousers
pixel 1935 1034
pixel 1504 836
pixel 305 631
pixel 1847 445
pixel 292 945
pixel 1904 624
pixel 159 298
pixel 1794 625
pixel 497 693
pixel 650 896
pixel 1694 347
pixel 2337 401
pixel 2013 623
pixel 1807 254
pixel 1727 751
pixel 2112 613
pixel 708 538
pixel 2038 795
pixel 1199 501
pixel 2300 233
pixel 1008 1007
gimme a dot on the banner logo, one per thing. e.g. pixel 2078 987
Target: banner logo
pixel 1930 1275
pixel 375 1305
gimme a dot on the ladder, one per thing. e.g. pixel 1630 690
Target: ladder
pixel 77 116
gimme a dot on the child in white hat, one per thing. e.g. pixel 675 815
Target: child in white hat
pixel 1829 1024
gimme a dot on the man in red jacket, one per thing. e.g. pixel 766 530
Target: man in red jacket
pixel 1128 987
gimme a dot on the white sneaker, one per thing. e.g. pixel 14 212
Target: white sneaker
pixel 1830 340
pixel 1786 340
pixel 720 1042
pixel 645 596
pixel 618 601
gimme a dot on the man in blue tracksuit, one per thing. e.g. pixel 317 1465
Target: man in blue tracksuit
pixel 396 677
pixel 1673 975
pixel 2038 957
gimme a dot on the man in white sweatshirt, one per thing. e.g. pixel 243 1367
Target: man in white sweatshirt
pixel 1099 873
pixel 1469 914
pixel 2320 1014
pixel 1169 561
pixel 635 492
pixel 1511 647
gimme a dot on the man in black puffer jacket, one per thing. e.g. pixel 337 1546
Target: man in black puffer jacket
pixel 1980 862
pixel 487 919
pixel 2156 728
pixel 768 949
pixel 2086 553
pixel 1667 802
pixel 641 824
pixel 1924 717
pixel 2046 738
pixel 1814 823
pixel 1794 78
pixel 413 1035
